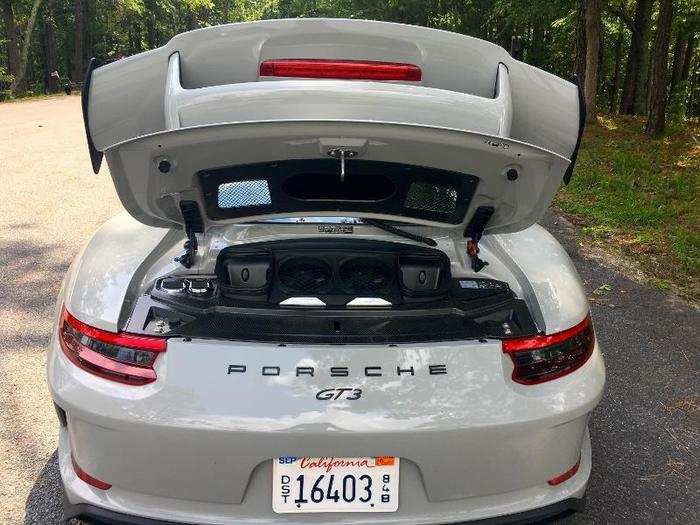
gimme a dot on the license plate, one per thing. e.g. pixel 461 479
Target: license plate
pixel 335 484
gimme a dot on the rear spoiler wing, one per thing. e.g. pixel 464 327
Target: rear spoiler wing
pixel 95 154
pixel 465 82
pixel 581 126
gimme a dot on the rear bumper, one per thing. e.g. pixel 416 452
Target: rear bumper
pixel 473 444
pixel 121 507
pixel 98 516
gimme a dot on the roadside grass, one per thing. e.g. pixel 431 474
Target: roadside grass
pixel 638 197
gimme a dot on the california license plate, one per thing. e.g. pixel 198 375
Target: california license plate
pixel 335 484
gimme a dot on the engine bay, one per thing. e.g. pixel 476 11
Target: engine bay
pixel 335 291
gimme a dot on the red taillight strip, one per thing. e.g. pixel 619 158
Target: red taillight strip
pixel 561 478
pixel 340 69
pixel 79 347
pixel 523 344
pixel 107 368
pixel 140 342
pixel 87 478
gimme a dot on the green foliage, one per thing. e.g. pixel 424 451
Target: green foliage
pixel 641 195
pixel 540 32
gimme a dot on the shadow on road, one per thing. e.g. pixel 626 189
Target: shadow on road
pixel 45 502
pixel 32 275
pixel 32 271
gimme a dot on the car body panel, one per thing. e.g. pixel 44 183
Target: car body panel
pixel 101 275
pixel 550 282
pixel 152 197
pixel 205 430
pixel 550 285
pixel 196 444
pixel 415 508
pixel 205 119
pixel 126 98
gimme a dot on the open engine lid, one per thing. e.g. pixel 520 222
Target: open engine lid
pixel 409 124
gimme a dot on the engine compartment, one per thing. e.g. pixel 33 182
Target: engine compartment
pixel 335 291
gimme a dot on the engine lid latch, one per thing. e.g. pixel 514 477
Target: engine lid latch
pixel 475 230
pixel 193 225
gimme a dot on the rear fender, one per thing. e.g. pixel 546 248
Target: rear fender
pixel 110 268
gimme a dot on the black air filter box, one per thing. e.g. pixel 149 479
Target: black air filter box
pixel 421 275
pixel 247 274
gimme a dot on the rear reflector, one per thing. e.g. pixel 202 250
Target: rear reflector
pixel 87 478
pixel 561 478
pixel 121 357
pixel 340 69
pixel 546 357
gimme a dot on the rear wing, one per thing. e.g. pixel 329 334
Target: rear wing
pixel 213 76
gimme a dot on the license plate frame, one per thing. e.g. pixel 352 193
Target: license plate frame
pixel 339 484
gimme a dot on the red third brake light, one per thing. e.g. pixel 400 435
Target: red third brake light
pixel 125 358
pixel 339 69
pixel 545 357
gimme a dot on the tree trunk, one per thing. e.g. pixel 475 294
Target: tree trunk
pixel 580 58
pixel 50 60
pixel 90 14
pixel 537 51
pixel 679 51
pixel 685 70
pixel 592 49
pixel 692 109
pixel 151 31
pixel 13 41
pixel 656 122
pixel 641 95
pixel 636 58
pixel 78 64
pixel 516 47
pixel 134 33
pixel 614 88
pixel 24 56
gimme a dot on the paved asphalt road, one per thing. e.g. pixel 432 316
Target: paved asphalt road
pixel 645 432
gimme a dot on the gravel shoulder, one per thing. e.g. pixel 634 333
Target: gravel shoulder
pixel 51 204
pixel 645 432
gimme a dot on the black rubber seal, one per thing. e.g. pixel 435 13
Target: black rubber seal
pixel 95 155
pixel 581 125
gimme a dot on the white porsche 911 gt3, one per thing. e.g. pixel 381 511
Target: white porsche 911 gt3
pixel 329 301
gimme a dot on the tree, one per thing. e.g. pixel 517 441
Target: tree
pixel 78 64
pixel 656 122
pixel 580 55
pixel 151 12
pixel 632 94
pixel 680 49
pixel 51 82
pixel 12 36
pixel 592 48
pixel 17 82
pixel 615 83
pixel 550 34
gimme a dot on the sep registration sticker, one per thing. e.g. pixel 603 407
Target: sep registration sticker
pixel 329 484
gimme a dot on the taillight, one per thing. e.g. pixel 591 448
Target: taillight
pixel 546 357
pixel 339 69
pixel 122 357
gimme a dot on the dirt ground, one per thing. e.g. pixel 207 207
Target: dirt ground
pixel 51 204
pixel 645 432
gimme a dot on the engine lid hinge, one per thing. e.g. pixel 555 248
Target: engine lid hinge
pixel 475 230
pixel 193 225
